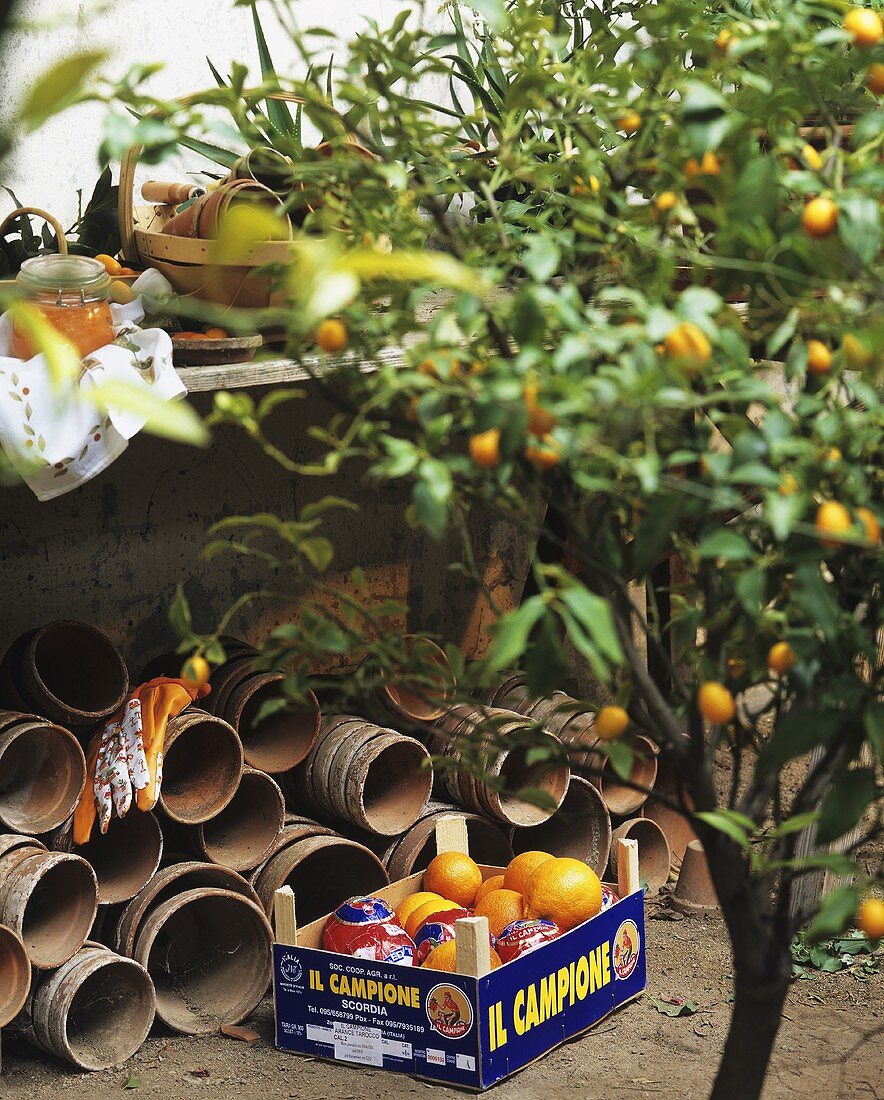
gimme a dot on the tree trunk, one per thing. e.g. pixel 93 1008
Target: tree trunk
pixel 754 1025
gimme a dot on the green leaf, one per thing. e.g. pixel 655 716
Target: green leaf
pixel 859 226
pixel 621 755
pixel 783 512
pixel 727 823
pixel 847 801
pixel 704 116
pixel 813 595
pixel 169 419
pixel 835 914
pixel 318 551
pixel 726 544
pixel 511 634
pixel 179 614
pixel 58 87
pixel 873 720
pixel 318 507
pixel 541 258
pixel 132 1082
pixel 492 11
pixel 673 1006
pixel 277 110
pixel 594 615
pixel 797 733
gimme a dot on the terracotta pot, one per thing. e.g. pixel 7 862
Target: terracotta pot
pixel 623 800
pixel 245 832
pixel 413 851
pixel 42 773
pixel 695 892
pixel 15 975
pixel 126 857
pixel 580 828
pixel 676 827
pixel 277 742
pixel 653 851
pixel 202 767
pixel 416 700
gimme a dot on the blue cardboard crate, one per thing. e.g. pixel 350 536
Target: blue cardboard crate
pixel 452 1028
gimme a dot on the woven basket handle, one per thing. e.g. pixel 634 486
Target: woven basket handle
pixel 126 204
pixel 38 213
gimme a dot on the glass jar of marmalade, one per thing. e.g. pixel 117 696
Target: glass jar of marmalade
pixel 71 292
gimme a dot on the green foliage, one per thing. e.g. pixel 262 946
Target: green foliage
pixel 852 952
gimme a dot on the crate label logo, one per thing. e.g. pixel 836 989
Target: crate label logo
pixel 626 949
pixel 291 969
pixel 449 1011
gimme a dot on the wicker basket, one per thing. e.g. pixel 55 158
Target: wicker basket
pixel 187 262
pixel 9 284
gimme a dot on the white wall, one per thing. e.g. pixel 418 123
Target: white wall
pixel 48 167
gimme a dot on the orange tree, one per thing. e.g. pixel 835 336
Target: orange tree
pixel 659 228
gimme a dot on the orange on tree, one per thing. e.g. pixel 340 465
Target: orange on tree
pixel 413 902
pixel 781 658
pixel 331 336
pixel 485 448
pixel 501 907
pixel 870 918
pixel 865 27
pixel 563 890
pixel 870 525
pixel 610 723
pixel 707 165
pixel 716 703
pixel 833 454
pixel 540 420
pixel 819 358
pixel 428 909
pixel 812 158
pixel 736 668
pixel 723 40
pixel 832 520
pixel 196 670
pixel 493 883
pixel 520 869
pixel 544 456
pixel 856 352
pixel 665 201
pixel 688 345
pixel 820 216
pixel 455 876
pixel 788 485
pixel 630 123
pixel 875 78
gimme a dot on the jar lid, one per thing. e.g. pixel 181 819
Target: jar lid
pixel 63 274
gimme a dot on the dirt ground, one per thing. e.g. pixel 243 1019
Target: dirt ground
pixel 829 1046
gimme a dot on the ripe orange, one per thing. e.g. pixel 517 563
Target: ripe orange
pixel 875 78
pixel 332 336
pixel 444 957
pixel 857 353
pixel 832 519
pixel 865 26
pixel 665 201
pixel 819 217
pixel 111 266
pixel 540 420
pixel 521 868
pixel 426 910
pixel 833 454
pixel 689 346
pixel 708 165
pixel 413 902
pixel 870 525
pixel 563 890
pixel 789 485
pixel 545 457
pixel 630 123
pixel 493 883
pixel 819 358
pixel 501 907
pixel 723 40
pixel 195 670
pixel 870 917
pixel 455 876
pixel 485 448
pixel 781 658
pixel 610 723
pixel 716 703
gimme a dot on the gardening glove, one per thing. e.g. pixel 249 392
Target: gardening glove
pixel 125 758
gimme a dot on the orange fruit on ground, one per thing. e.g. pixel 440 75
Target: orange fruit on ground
pixel 819 217
pixel 716 703
pixel 216 334
pixel 493 883
pixel 781 658
pixel 332 335
pixel 415 901
pixel 485 448
pixel 428 909
pixel 501 907
pixel 610 723
pixel 688 345
pixel 630 123
pixel 870 918
pixel 819 358
pixel 870 525
pixel 875 78
pixel 520 869
pixel 444 957
pixel 832 519
pixel 563 890
pixel 111 265
pixel 454 876
pixel 864 26
pixel 195 670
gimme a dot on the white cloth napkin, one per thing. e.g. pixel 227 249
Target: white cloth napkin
pixel 54 434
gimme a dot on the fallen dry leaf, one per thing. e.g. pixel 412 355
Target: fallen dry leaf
pixel 244 1034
